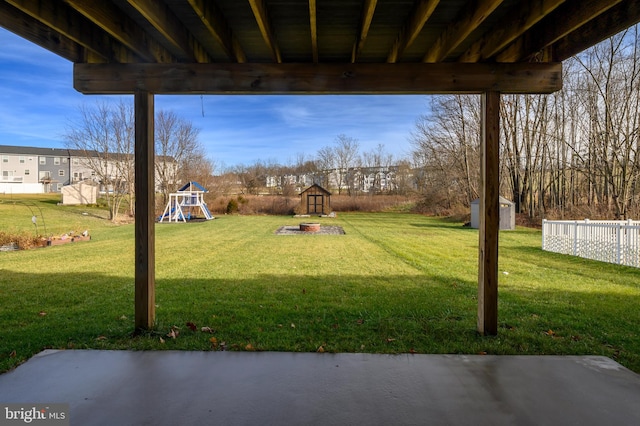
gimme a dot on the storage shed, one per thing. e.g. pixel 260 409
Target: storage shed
pixel 79 193
pixel 507 214
pixel 315 200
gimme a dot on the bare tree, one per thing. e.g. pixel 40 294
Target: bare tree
pixel 326 162
pixel 177 149
pixel 376 165
pixel 103 139
pixel 346 154
pixel 446 150
pixel 611 96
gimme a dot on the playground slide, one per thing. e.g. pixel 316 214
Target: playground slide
pixel 206 211
pixel 166 215
pixel 170 213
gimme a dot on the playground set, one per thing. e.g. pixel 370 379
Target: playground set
pixel 187 201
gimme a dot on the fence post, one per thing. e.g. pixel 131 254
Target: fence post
pixel 619 244
pixel 575 237
pixel 544 229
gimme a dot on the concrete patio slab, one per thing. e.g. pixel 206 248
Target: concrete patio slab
pixel 272 388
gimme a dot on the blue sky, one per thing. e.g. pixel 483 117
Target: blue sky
pixel 38 103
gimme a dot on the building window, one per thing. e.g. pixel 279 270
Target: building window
pixel 60 172
pixel 22 159
pixel 64 160
pixel 56 161
pixel 5 158
pixel 26 172
pixel 43 160
pixel 76 161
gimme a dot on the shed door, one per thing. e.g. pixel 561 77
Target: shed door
pixel 314 203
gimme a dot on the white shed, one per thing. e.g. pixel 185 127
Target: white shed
pixel 507 214
pixel 80 193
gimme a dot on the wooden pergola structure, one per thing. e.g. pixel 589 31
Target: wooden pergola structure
pixel 148 47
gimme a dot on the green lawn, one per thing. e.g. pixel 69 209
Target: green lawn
pixel 394 283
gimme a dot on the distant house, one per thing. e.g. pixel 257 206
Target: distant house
pixel 315 200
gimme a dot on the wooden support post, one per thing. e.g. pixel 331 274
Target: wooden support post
pixel 489 215
pixel 145 211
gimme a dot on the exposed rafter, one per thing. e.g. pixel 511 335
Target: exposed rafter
pixel 558 24
pixel 69 23
pixel 313 23
pixel 308 78
pixel 180 40
pixel 460 28
pixel 215 22
pixel 368 9
pixel 33 30
pixel 417 18
pixel 122 28
pixel 262 18
pixel 502 35
pixel 616 19
pixel 197 31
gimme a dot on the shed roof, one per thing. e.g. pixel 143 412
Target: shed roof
pixel 316 186
pixel 502 201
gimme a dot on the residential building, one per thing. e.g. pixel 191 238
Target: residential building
pixel 32 170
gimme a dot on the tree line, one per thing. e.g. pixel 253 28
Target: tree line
pixel 574 153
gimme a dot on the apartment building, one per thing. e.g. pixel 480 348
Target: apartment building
pixel 33 170
pixel 29 170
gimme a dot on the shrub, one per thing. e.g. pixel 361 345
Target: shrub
pixel 23 241
pixel 232 206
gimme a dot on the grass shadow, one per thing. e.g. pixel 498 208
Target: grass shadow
pixel 281 312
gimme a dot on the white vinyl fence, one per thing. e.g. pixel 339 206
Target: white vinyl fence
pixel 612 241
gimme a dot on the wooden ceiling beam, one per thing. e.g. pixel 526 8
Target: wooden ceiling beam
pixel 262 18
pixel 526 16
pixel 616 19
pixel 419 16
pixel 313 22
pixel 71 24
pixel 124 29
pixel 308 78
pixel 181 41
pixel 558 24
pixel 368 9
pixel 466 22
pixel 37 32
pixel 217 25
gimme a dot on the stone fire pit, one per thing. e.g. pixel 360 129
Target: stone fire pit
pixel 310 227
pixel 299 230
